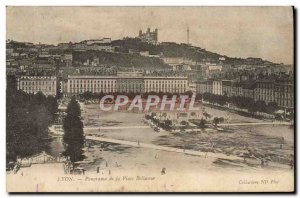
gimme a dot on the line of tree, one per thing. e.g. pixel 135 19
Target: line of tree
pixel 88 95
pixel 202 123
pixel 27 119
pixel 242 102
pixel 164 124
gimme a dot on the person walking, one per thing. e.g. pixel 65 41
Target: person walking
pixel 163 171
pixel 292 163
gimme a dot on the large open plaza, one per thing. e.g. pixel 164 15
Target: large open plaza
pixel 244 146
pixel 119 144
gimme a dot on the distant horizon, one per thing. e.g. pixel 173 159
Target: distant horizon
pixel 227 31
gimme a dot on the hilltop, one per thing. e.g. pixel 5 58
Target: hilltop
pixel 171 49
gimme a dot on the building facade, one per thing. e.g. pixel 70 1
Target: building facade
pixel 200 87
pixel 264 91
pixel 284 94
pixel 205 86
pixel 227 87
pixel 124 83
pixel 268 91
pixel 217 87
pixel 103 44
pixel 130 85
pixel 166 84
pixel 95 84
pixel 34 84
pixel 248 89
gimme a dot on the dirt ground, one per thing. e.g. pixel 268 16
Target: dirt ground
pixel 273 143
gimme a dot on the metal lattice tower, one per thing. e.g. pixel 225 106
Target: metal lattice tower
pixel 188 35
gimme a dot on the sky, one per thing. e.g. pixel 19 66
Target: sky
pixel 263 32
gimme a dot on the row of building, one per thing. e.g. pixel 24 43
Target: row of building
pixel 103 44
pixel 264 90
pixel 124 82
pixel 39 56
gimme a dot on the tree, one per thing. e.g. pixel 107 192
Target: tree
pixel 147 117
pixel 153 115
pixel 221 119
pixel 252 107
pixel 73 132
pixel 189 93
pixel 216 121
pixel 27 119
pixel 221 100
pixel 272 107
pixel 52 105
pixel 73 108
pixel 87 95
pixel 185 123
pixel 261 106
pixel 39 98
pixel 206 115
pixel 198 96
pixel 168 124
pixel 202 123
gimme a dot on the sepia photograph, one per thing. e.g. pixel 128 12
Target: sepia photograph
pixel 150 99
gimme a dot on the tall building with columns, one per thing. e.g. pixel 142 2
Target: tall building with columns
pixel 95 84
pixel 125 83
